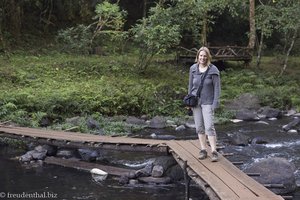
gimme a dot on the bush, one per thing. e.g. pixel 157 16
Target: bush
pixel 75 39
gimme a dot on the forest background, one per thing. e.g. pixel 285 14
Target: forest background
pixel 97 59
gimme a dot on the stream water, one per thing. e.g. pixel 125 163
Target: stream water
pixel 54 182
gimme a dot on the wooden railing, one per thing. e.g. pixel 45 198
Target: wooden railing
pixel 226 53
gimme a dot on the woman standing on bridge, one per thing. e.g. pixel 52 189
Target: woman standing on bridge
pixel 208 100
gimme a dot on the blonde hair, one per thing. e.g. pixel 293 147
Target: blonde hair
pixel 206 50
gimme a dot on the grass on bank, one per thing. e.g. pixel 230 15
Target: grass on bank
pixel 59 86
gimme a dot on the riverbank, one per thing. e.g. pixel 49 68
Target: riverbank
pixel 46 90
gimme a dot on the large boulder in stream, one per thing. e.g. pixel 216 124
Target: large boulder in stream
pixel 268 112
pixel 244 101
pixel 158 122
pixel 247 115
pixel 239 139
pixel 275 172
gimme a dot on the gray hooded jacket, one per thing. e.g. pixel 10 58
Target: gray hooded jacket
pixel 210 93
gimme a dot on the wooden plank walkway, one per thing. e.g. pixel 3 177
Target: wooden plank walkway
pixel 220 180
pixel 225 179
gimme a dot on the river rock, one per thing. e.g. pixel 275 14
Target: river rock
pixel 158 122
pixel 247 115
pixel 165 161
pixel 275 171
pixel 239 139
pixel 290 112
pixel 180 128
pixel 269 112
pixel 259 140
pixel 88 154
pixel 296 115
pixel 123 179
pixel 27 157
pixel 236 120
pixel 98 174
pixel 39 155
pixel 51 150
pixel 292 131
pixel 45 121
pixel 292 124
pixel 76 121
pixel 262 122
pixel 92 124
pixel 146 171
pixel 133 182
pixel 190 123
pixel 244 101
pixel 157 171
pixel 64 153
pixel 135 121
pixel 175 173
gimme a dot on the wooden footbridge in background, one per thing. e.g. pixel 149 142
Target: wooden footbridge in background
pixel 219 180
pixel 224 53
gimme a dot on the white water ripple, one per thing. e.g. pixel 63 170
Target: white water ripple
pixel 283 144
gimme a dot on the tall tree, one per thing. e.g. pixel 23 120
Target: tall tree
pixel 282 16
pixel 288 25
pixel 13 15
pixel 252 32
pixel 265 22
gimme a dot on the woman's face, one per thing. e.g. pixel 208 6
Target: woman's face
pixel 202 58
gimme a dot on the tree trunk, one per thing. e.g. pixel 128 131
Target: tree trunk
pixel 14 18
pixel 85 13
pixel 48 20
pixel 204 31
pixel 259 49
pixel 145 8
pixel 252 34
pixel 289 51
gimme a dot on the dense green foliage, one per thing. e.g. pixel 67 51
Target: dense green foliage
pixel 75 39
pixel 60 86
pixel 154 35
pixel 65 85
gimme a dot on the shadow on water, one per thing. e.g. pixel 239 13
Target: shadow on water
pixel 65 183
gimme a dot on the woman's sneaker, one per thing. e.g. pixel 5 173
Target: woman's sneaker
pixel 214 156
pixel 203 154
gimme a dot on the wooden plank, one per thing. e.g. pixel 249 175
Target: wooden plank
pixel 87 166
pixel 247 181
pixel 83 140
pixel 71 136
pixel 215 168
pixel 222 190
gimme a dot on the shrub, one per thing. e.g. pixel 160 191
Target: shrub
pixel 75 39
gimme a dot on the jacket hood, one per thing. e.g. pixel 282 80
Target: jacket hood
pixel 213 69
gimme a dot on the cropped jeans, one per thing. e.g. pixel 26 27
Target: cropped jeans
pixel 204 119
